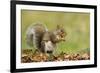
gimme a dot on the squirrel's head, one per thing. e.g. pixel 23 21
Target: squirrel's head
pixel 60 33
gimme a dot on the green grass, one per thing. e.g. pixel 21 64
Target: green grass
pixel 76 25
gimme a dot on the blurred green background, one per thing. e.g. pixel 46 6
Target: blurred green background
pixel 77 26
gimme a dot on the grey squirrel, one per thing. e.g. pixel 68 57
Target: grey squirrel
pixel 43 39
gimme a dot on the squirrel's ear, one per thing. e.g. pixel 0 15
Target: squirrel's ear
pixel 59 26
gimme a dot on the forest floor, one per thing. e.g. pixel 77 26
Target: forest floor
pixel 28 56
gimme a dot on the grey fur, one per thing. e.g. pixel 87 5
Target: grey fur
pixel 44 40
pixel 34 35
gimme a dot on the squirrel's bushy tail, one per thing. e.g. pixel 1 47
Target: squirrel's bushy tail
pixel 29 36
pixel 34 34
